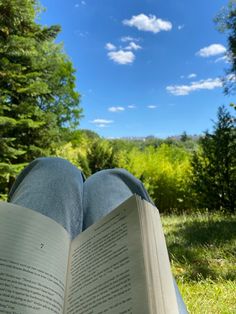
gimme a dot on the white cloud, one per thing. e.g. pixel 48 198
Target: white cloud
pixel 152 107
pixel 128 38
pixel 116 109
pixel 97 121
pixel 131 106
pixel 148 23
pixel 192 75
pixel 133 46
pixel 212 50
pixel 110 46
pixel 121 56
pixel 102 125
pixel 182 90
pixel 82 34
pixel 225 59
pixel 180 27
pixel 77 5
pixel 124 55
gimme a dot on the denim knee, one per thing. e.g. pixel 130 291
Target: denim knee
pixel 133 183
pixel 47 168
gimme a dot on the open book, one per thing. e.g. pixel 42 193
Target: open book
pixel 119 265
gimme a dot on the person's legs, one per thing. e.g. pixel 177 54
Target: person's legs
pixel 104 191
pixel 53 187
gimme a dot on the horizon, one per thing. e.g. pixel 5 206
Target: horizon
pixel 173 136
pixel 144 69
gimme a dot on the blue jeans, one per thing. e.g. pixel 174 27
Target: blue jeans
pixel 57 189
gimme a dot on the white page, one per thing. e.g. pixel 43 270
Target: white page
pixel 160 281
pixel 33 262
pixel 106 272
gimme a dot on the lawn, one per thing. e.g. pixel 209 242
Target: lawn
pixel 202 249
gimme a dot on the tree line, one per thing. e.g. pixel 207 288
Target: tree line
pixel 40 113
pixel 180 174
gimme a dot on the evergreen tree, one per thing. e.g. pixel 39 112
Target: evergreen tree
pixel 214 166
pixel 226 22
pixel 100 155
pixel 37 88
pixel 184 137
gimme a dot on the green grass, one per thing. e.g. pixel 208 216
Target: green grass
pixel 202 249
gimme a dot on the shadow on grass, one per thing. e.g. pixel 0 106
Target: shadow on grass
pixel 209 232
pixel 203 247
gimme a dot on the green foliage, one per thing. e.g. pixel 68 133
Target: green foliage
pixel 165 169
pixel 226 22
pixel 86 150
pixel 37 88
pixel 214 165
pixel 100 155
pixel 165 172
pixel 184 137
pixel 77 155
pixel 75 149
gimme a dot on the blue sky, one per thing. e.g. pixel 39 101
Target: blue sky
pixel 144 67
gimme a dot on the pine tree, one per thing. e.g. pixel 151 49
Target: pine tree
pixel 37 88
pixel 214 166
pixel 226 23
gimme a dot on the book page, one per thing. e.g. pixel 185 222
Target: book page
pixel 33 262
pixel 106 268
pixel 168 295
pixel 162 297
